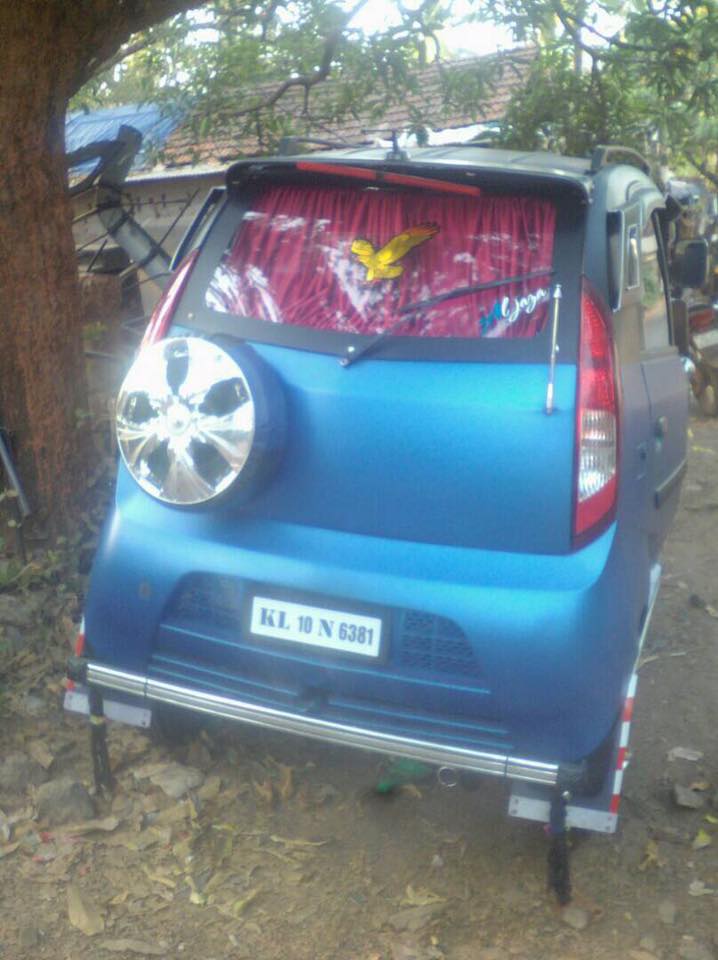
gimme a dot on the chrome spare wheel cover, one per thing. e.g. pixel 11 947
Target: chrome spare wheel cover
pixel 185 420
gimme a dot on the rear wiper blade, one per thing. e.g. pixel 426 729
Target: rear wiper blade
pixel 405 313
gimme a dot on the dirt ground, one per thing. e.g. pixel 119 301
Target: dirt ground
pixel 283 851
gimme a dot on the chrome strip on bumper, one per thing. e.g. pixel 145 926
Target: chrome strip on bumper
pixel 476 761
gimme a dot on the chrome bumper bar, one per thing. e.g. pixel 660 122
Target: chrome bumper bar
pixel 476 761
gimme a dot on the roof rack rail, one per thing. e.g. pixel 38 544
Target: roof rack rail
pixel 603 155
pixel 287 145
pixel 483 144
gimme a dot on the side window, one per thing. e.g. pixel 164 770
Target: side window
pixel 656 333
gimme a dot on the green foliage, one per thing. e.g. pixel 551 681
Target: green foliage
pixel 648 80
pixel 571 112
pixel 612 71
pixel 257 70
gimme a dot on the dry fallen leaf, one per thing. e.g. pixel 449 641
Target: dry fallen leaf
pixel 210 788
pixel 199 899
pixel 684 753
pixel 157 877
pixel 699 889
pixel 5 827
pixel 118 899
pixel 105 825
pixel 148 770
pixel 174 814
pixel 39 752
pixel 651 857
pixel 411 790
pixel 8 848
pixel 298 843
pixel 82 913
pixel 237 908
pixel 133 946
pixel 264 790
pixel 421 897
pixel 286 781
pixel 700 785
pixel 140 841
pixel 702 840
pixel 217 880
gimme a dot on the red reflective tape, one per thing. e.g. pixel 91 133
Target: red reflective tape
pixel 621 758
pixel 79 650
pixel 161 318
pixel 339 169
pixel 628 710
pixel 427 183
pixel 615 803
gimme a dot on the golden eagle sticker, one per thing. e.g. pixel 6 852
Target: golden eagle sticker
pixel 383 264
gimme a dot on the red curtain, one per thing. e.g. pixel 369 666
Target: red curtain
pixel 291 261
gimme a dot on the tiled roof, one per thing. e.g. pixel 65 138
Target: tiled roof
pixel 493 79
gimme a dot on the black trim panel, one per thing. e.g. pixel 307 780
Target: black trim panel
pixel 192 312
pixel 665 489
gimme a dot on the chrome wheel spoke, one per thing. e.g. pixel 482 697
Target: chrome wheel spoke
pixel 185 420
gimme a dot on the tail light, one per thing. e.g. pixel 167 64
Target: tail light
pixel 596 421
pixel 701 317
pixel 167 304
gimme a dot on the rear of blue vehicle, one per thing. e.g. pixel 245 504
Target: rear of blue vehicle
pixel 402 548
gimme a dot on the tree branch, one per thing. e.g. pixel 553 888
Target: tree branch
pixel 308 80
pixel 701 168
pixel 113 23
pixel 565 15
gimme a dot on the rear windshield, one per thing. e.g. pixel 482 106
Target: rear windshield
pixel 362 260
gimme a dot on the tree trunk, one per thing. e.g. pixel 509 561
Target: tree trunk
pixel 47 49
pixel 41 360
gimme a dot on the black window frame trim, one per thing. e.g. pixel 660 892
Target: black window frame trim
pixel 192 312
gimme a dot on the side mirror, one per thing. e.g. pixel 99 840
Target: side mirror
pixel 691 263
pixel 679 309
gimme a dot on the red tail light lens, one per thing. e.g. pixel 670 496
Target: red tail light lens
pixel 167 304
pixel 596 421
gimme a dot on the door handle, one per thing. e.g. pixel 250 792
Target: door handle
pixel 661 428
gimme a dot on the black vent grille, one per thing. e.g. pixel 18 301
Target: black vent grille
pixel 435 643
pixel 423 641
pixel 213 601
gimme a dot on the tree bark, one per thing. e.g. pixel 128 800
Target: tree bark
pixel 45 49
pixel 41 361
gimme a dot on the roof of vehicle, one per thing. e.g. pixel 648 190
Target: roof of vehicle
pixel 536 164
pixel 476 156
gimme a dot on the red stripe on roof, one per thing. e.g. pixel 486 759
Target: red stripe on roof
pixel 403 179
pixel 340 169
pixel 430 184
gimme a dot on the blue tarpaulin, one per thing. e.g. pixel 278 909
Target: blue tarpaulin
pixel 153 123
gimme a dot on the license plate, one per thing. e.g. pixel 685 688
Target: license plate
pixel 316 626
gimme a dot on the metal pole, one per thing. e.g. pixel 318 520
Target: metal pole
pixel 13 479
pixel 556 300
